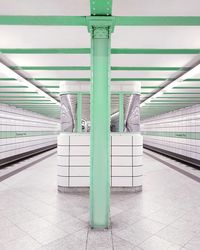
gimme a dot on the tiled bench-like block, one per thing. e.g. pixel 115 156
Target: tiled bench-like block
pixel 74 160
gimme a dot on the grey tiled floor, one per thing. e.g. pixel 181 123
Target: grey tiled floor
pixel 165 215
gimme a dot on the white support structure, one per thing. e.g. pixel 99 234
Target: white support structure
pixel 74 160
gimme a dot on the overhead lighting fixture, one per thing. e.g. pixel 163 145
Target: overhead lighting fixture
pixel 12 74
pixel 192 72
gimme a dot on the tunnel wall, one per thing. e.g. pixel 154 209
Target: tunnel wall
pixel 24 133
pixel 176 134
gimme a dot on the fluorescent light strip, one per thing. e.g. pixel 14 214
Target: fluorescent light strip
pixel 12 74
pixel 188 74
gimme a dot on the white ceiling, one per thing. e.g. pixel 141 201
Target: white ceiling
pixel 156 8
pixel 149 37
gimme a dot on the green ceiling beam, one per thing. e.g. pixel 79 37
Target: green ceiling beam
pixel 101 7
pixel 186 87
pixel 151 68
pixel 87 51
pixel 165 104
pixel 46 51
pixel 50 67
pixel 88 79
pixel 174 101
pixel 182 97
pixel 119 20
pixel 88 68
pixel 27 101
pixel 43 20
pixel 17 92
pixel 182 93
pixel 154 51
pixel 17 87
pixel 145 87
pixel 23 96
pixel 157 20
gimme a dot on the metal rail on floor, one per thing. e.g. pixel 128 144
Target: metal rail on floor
pixel 190 161
pixel 13 159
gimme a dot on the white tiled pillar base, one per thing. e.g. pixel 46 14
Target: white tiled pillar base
pixel 74 160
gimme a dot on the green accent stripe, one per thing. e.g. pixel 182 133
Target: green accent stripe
pixel 18 134
pixel 184 135
pixel 157 20
pixel 87 51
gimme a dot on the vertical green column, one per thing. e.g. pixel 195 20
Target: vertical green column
pixel 100 128
pixel 79 113
pixel 121 112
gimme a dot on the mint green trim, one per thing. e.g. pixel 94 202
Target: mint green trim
pixel 16 134
pixel 79 113
pixel 183 135
pixel 100 131
pixel 121 113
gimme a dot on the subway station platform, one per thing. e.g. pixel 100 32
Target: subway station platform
pixel 165 215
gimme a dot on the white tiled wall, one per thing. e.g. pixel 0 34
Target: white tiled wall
pixel 74 160
pixel 179 132
pixel 22 131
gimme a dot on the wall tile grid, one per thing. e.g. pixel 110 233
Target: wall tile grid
pixel 177 132
pixel 74 160
pixel 22 131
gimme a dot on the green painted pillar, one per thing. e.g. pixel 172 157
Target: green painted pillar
pixel 79 113
pixel 100 127
pixel 121 112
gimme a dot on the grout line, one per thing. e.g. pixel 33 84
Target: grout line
pixel 87 239
pixel 112 236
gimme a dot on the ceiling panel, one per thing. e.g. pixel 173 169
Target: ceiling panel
pixel 45 7
pixel 44 37
pixel 156 8
pixel 156 37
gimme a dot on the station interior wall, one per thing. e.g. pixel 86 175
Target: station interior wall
pixel 176 133
pixel 23 131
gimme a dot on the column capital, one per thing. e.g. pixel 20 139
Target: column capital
pixel 100 26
